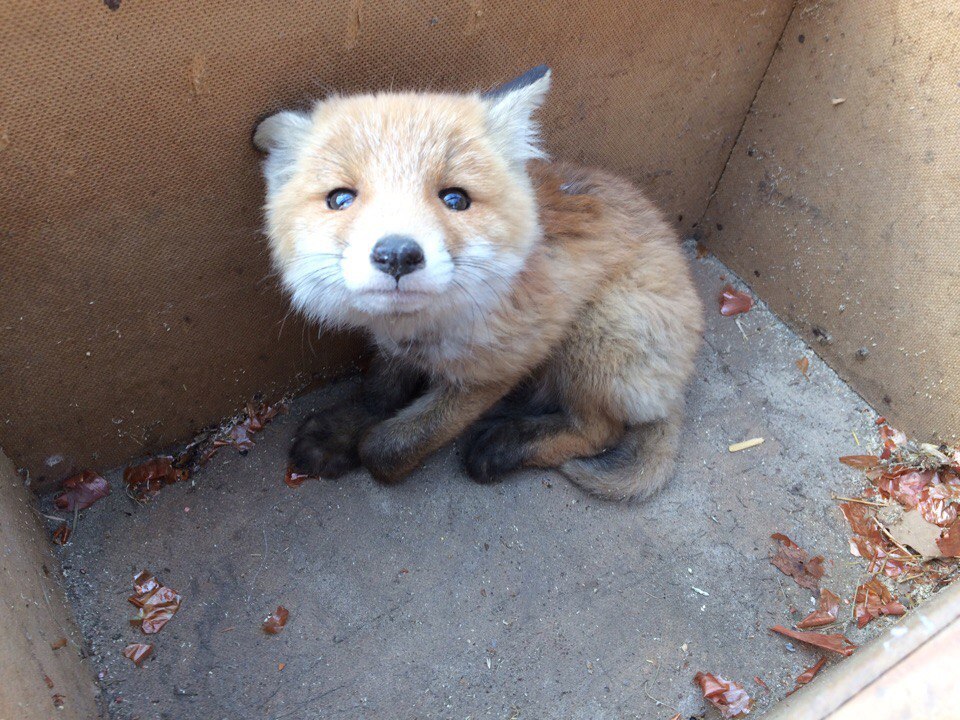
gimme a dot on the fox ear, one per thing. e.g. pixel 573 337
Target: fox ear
pixel 281 136
pixel 510 109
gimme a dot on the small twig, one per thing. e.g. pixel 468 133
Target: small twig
pixel 892 539
pixel 861 501
pixel 654 679
pixel 742 332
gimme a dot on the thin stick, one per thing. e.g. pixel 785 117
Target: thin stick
pixel 892 539
pixel 861 501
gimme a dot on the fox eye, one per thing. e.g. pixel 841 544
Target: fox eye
pixel 341 198
pixel 455 198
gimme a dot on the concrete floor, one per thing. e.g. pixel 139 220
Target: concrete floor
pixel 444 599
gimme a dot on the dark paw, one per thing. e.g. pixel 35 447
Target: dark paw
pixel 383 454
pixel 493 451
pixel 325 446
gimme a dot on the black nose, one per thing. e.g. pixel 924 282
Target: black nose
pixel 397 255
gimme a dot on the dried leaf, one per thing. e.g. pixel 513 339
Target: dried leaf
pixel 257 417
pixel 294 479
pixel 49 682
pixel 913 531
pixel 872 600
pixel 949 542
pixel 137 652
pixel 834 643
pixel 861 462
pixel 810 673
pixel 81 491
pixel 905 486
pixel 156 603
pixel 826 613
pixel 803 365
pixel 146 480
pixel 58 643
pixel 702 251
pixel 734 302
pixel 61 536
pixel 792 560
pixel 274 623
pixel 728 697
pixel 938 504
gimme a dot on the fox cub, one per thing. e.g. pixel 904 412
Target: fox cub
pixel 543 311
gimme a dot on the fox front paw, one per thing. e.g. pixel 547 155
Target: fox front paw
pixel 385 453
pixel 325 446
pixel 494 450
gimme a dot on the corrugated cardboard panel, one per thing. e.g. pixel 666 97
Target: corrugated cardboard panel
pixel 841 202
pixel 134 303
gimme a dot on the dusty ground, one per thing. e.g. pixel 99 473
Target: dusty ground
pixel 444 599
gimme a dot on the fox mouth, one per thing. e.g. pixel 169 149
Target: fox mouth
pixel 395 301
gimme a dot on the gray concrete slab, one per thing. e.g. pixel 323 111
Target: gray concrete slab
pixel 444 599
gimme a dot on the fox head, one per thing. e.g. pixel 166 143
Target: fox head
pixel 398 206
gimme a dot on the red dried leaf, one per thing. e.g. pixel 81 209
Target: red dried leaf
pixel 137 652
pixel 274 622
pixel 294 479
pixel 861 462
pixel 834 643
pixel 728 697
pixel 156 603
pixel 734 302
pixel 938 504
pixel 872 600
pixel 826 613
pixel 905 486
pixel 792 560
pixel 81 491
pixel 810 673
pixel 949 542
pixel 146 480
pixel 61 536
pixel 257 417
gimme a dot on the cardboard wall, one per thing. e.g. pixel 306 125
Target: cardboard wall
pixel 134 304
pixel 845 216
pixel 42 670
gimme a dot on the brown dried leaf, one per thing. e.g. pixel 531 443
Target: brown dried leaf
pixel 872 600
pixel 61 536
pixel 734 302
pixel 810 673
pixel 826 613
pixel 728 697
pixel 913 531
pixel 294 479
pixel 792 560
pixel 702 251
pixel 137 652
pixel 58 643
pixel 146 480
pixel 861 462
pixel 257 417
pixel 938 504
pixel 803 365
pixel 156 603
pixel 949 542
pixel 834 643
pixel 81 491
pixel 274 622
